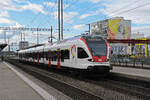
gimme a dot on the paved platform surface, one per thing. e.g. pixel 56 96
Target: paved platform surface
pixel 145 73
pixel 47 92
pixel 12 87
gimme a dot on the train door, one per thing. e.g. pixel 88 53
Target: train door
pixel 38 58
pixel 58 59
pixel 73 56
pixel 49 58
pixel 82 57
pixel 43 56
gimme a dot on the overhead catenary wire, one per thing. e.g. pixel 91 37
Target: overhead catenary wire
pixel 126 11
pixel 117 10
pixel 48 17
pixel 73 3
pixel 36 16
pixel 126 6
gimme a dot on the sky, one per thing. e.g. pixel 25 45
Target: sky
pixel 77 13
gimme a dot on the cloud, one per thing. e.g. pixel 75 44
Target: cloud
pixel 4 14
pixel 34 8
pixel 4 18
pixel 50 4
pixel 18 6
pixel 78 27
pixel 141 29
pixel 93 13
pixel 137 15
pixel 1 32
pixel 95 1
pixel 84 16
pixel 6 21
pixel 68 16
pixel 10 5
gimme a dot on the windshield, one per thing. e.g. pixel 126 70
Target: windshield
pixel 97 46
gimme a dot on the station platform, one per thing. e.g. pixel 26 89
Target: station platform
pixel 14 86
pixel 136 73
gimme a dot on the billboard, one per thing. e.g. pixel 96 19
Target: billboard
pixel 114 28
pixel 119 28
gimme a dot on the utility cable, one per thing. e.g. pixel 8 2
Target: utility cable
pixel 126 11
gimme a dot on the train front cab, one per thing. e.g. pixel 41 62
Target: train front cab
pixel 94 55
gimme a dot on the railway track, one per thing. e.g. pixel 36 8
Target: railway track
pixel 89 89
pixel 68 89
pixel 128 89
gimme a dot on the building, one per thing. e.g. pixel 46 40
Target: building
pixel 114 28
pixel 23 44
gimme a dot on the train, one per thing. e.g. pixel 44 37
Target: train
pixel 83 53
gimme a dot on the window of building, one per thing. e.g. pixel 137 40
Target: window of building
pixel 82 53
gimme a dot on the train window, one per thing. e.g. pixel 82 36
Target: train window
pixel 55 55
pixel 64 54
pixel 82 53
pixel 36 56
pixel 43 54
pixel 33 56
pixel 40 55
pixel 52 55
pixel 46 55
pixel 28 55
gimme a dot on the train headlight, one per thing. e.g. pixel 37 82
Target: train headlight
pixel 91 60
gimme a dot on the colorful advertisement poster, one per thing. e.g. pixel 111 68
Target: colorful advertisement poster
pixel 119 29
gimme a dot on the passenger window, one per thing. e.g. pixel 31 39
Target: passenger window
pixel 82 53
pixel 64 55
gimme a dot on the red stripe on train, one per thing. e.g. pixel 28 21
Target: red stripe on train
pixel 49 62
pixel 58 61
pixel 38 59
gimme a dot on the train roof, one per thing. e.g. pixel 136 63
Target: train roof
pixel 39 48
pixel 79 37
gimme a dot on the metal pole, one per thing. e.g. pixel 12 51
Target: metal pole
pixel 21 36
pixel 5 36
pixel 8 46
pixel 62 19
pixel 59 20
pixel 24 36
pixel 89 28
pixel 51 34
pixel 37 36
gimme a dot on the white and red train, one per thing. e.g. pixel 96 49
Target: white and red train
pixel 85 52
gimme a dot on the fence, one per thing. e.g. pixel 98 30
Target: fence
pixel 129 61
